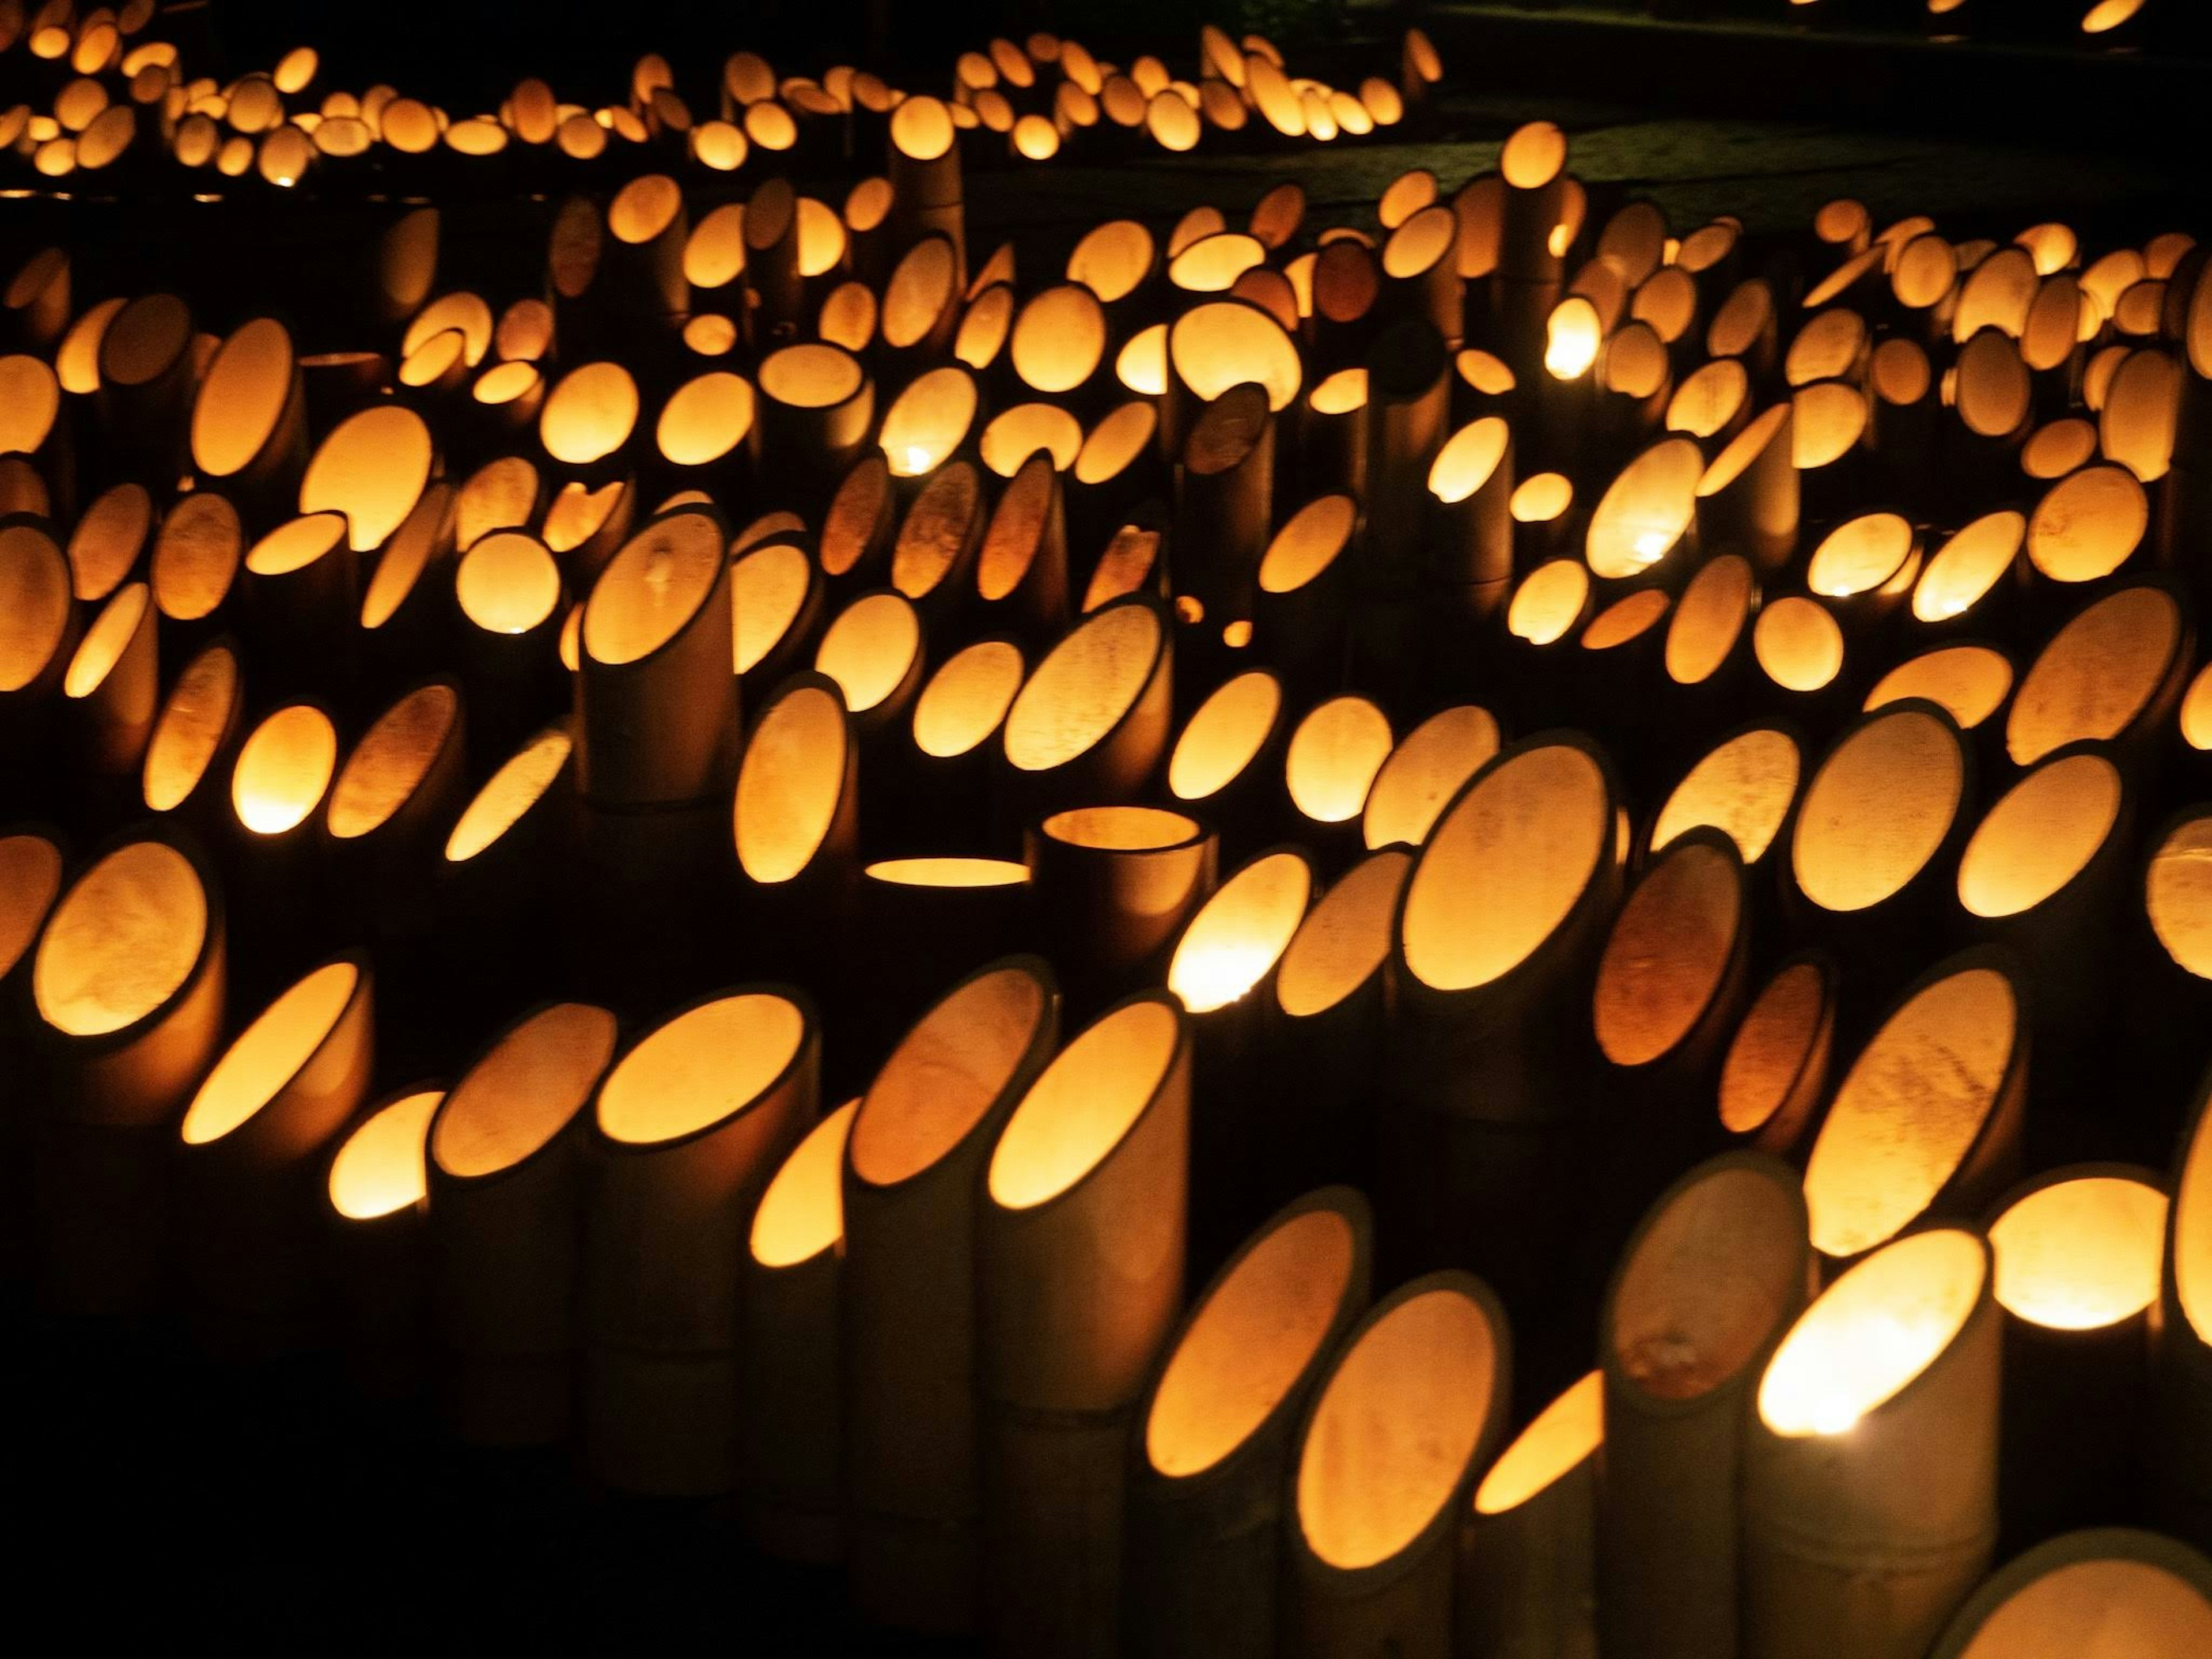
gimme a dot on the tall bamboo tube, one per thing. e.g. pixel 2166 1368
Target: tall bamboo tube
pixel 1210 1459
pixel 913 1171
pixel 1079 1266
pixel 1412 1403
pixel 128 978
pixel 378 1212
pixel 1719 1270
pixel 2100 1593
pixel 690 1124
pixel 1225 502
pixel 507 1216
pixel 1526 1582
pixel 397 793
pixel 2181 1443
pixel 1869 1497
pixel 1747 500
pixel 924 170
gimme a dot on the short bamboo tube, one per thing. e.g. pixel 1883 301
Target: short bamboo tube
pixel 1113 887
pixel 379 1213
pixel 1526 1586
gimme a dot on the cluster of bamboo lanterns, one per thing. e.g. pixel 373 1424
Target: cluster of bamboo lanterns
pixel 1477 933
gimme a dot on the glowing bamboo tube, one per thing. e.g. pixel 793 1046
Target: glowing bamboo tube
pixel 1502 922
pixel 1227 472
pixel 1021 568
pixel 1717 1271
pixel 796 817
pixel 1526 1578
pixel 254 1139
pixel 641 274
pixel 1206 1498
pixel 1346 282
pixel 128 974
pixel 1869 1499
pixel 37 299
pixel 1385 1453
pixel 2113 673
pixel 1333 431
pixel 1424 770
pixel 921 305
pixel 377 1199
pixel 774 290
pixel 1776 1070
pixel 2088 525
pixel 1646 512
pixel 691 1123
pixel 874 648
pixel 856 528
pixel 2100 1593
pixel 1115 886
pixel 1972 571
pixel 2181 1431
pixel 1330 764
pixel 249 418
pixel 814 406
pixel 1746 500
pixel 1420 272
pixel 1079 1271
pixel 775 607
pixel 924 170
pixel 1745 786
pixel 112 689
pixel 1534 166
pixel 1471 487
pixel 1091 721
pixel 1297 614
pixel 507 1211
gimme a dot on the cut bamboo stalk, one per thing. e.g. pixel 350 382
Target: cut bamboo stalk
pixel 2115 1588
pixel 377 1192
pixel 1526 1583
pixel 1224 506
pixel 1746 501
pixel 2181 1430
pixel 1092 722
pixel 1113 886
pixel 1297 620
pixel 795 823
pixel 814 406
pixel 111 689
pixel 1776 1070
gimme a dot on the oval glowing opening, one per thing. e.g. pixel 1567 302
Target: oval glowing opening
pixel 1798 643
pixel 1249 1343
pixel 790 783
pixel 381 1169
pixel 948 872
pixel 660 580
pixel 269 1053
pixel 1703 633
pixel 967 698
pixel 1561 1440
pixel 1785 1038
pixel 2096 675
pixel 121 942
pixel 1240 932
pixel 296 543
pixel 241 398
pixel 1670 947
pixel 2088 524
pixel 1630 617
pixel 1121 828
pixel 1344 939
pixel 1860 554
pixel 870 648
pixel 373 468
pixel 1308 543
pixel 30 879
pixel 946 1072
pixel 106 641
pixel 1968 565
pixel 1877 809
pixel 1078 1109
pixel 523 1092
pixel 1333 756
pixel 589 414
pixel 705 419
pixel 191 728
pixel 390 760
pixel 195 556
pixel 1468 459
pixel 1059 338
pixel 1084 687
pixel 34 603
pixel 928 421
pixel 2108 1606
pixel 768 587
pixel 702 1067
pixel 802 1213
pixel 1224 735
pixel 2178 895
pixel 1646 510
pixel 1549 602
pixel 2041 833
pixel 1744 787
pixel 283 769
pixel 2079 1254
pixel 1969 682
pixel 1708 398
pixel 507 582
pixel 511 792
pixel 1424 771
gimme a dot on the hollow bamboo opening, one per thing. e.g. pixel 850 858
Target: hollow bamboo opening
pixel 1827 419
pixel 30 880
pixel 1645 511
pixel 1424 771
pixel 1024 430
pixel 1630 617
pixel 1969 682
pixel 2108 1606
pixel 2096 674
pixel 1709 619
pixel 2080 1253
pixel 106 641
pixel 1573 335
pixel 1341 393
pixel 948 872
pixel 1084 687
pixel 870 648
pixel 1784 1036
pixel 1486 374
pixel 1468 459
pixel 191 728
pixel 1799 644
pixel 507 582
pixel 2088 524
pixel 390 760
pixel 921 286
pixel 1709 398
pixel 802 1213
pixel 381 1168
pixel 1112 447
pixel 1828 347
pixel 1224 735
pixel 373 468
pixel 1542 498
pixel 122 942
pixel 1125 567
pixel 705 419
pixel 1226 343
pixel 1878 808
pixel 1533 155
pixel 652 589
pixel 1669 950
pixel 1422 242
pixel 790 783
pixel 1333 756
pixel 508 793
pixel 1084 1102
pixel 1505 865
pixel 283 769
pixel 1308 543
pixel 1909 1109
pixel 1861 555
pixel 928 421
pixel 1968 566
pixel 241 398
pixel 2057 449
pixel 1241 932
pixel 701 1067
pixel 1563 1436
pixel 1058 339
pixel 1344 939
pixel 1744 787
pixel 1121 828
pixel 937 531
pixel 460 310
pixel 296 543
pixel 523 1092
pixel 967 698
pixel 269 1053
pixel 2041 833
pixel 1549 602
pixel 1249 1343
pixel 1399 1418
pixel 195 556
pixel 146 336
pixel 589 414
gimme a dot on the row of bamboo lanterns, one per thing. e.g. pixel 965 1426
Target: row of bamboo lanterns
pixel 1241 767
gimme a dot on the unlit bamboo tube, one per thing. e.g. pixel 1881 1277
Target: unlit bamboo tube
pixel 789 1354
pixel 1870 1497
pixel 1526 1587
pixel 1212 1450
pixel 912 1188
pixel 1080 1248
pixel 1717 1271
pixel 507 1216
pixel 1113 886
pixel 254 1138
pixel 379 1213
pixel 1409 399
pixel 2102 1591
pixel 691 1123
pixel 2181 1444
pixel 1384 1455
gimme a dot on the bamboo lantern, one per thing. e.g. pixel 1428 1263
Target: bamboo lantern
pixel 874 649
pixel 1409 399
pixel 282 775
pixel 377 1195
pixel 2182 1339
pixel 373 468
pixel 147 379
pixel 1968 573
pixel 110 535
pixel 198 722
pixel 926 193
pixel 956 716
pixel 1746 500
pixel 1330 764
pixel 2088 524
pixel 1212 1452
pixel 2058 447
pixel 1384 1457
pixel 1297 613
pixel 2113 673
pixel 1499 932
pixel 934 557
pixel 1927 1119
pixel 1058 342
pixel 1717 1271
pixel 1333 439
pixel 1115 886
pixel 1526 1583
pixel 1471 485
pixel 1420 272
pixel 789 1354
pixel 640 276
pixel 1711 404
pixel 921 304
pixel 1091 721
pixel 112 689
pixel 912 1174
pixel 2100 1594
pixel 776 605
pixel 1217 344
pixel 1119 262
pixel 1078 1252
pixel 1869 1499
pixel 856 527
pixel 1646 512
pixel 497 870
pixel 1865 567
pixel 1711 653
pixel 1222 759
pixel 2079 1253
pixel 1831 422
pixel 795 820
pixel 702 425
pixel 128 979
pixel 1530 257
pixel 506 1214
pixel 1426 769
pixel 1021 568
pixel 1552 605
pixel 813 407
pixel 1776 1070
pixel 1224 503
pixel 691 1123
pixel 254 1139
pixel 398 789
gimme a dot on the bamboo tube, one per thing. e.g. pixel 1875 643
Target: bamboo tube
pixel 249 431
pixel 1426 769
pixel 111 689
pixel 640 276
pixel 377 1194
pixel 1551 608
pixel 1719 1270
pixel 1113 886
pixel 874 650
pixel 2106 1590
pixel 921 307
pixel 689 1124
pixel 1079 1254
pixel 1776 1070
pixel 147 379
pixel 2180 1461
pixel 813 407
pixel 128 978
pixel 1385 1453
pixel 1210 1459
pixel 1297 617
pixel 934 558
pixel 1091 721
pixel 507 1215
pixel 1224 502
pixel 1869 1499
pixel 38 641
pixel 1216 345
pixel 1746 501
pixel 1647 511
pixel 856 527
pixel 2113 673
pixel 1525 1587
pixel 1021 568
pixel 1975 573
pixel 31 868
pixel 789 1354
pixel 1712 405
pixel 795 823
pixel 1470 485
pixel 1409 399
pixel 924 169
pixel 254 1141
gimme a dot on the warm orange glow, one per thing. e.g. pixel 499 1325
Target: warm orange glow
pixel 507 583
pixel 2039 836
pixel 1023 430
pixel 2058 447
pixel 1084 687
pixel 1112 259
pixel 768 587
pixel 701 1067
pixel 1563 1437
pixel 1709 398
pixel 705 419
pixel 1880 804
pixel 1224 734
pixel 1646 510
pixel 1968 565
pixel 791 784
pixel 1873 1332
pixel 34 603
pixel 1669 948
pixel 1121 828
pixel 241 398
pixel 1743 787
pixel 122 941
pixel 1549 602
pixel 1827 420
pixel 1783 1039
pixel 106 641
pixel 1469 459
pixel 1333 755
pixel 381 1169
pixel 523 1092
pixel 1969 682
pixel 924 282
pixel 1308 543
pixel 296 543
pixel 1798 643
pixel 1397 1424
pixel 870 648
pixel 1860 554
pixel 510 792
pixel 1213 264
pixel 390 760
pixel 1504 866
pixel 590 413
pixel 948 872
pixel 373 468
pixel 269 1053
pixel 967 697
pixel 1239 932
pixel 2080 1253
pixel 283 769
pixel 2197 711
pixel 2088 524
pixel 928 421
pixel 2096 673
pixel 1344 939
pixel 1424 771
pixel 1629 618
pixel 1078 1109
pixel 802 1213
pixel 2108 1606
pixel 661 579
pixel 1533 155
pixel 1249 1343
pixel 190 729
pixel 1224 343
pixel 1571 337
pixel 460 310
pixel 1709 620
pixel 1827 348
